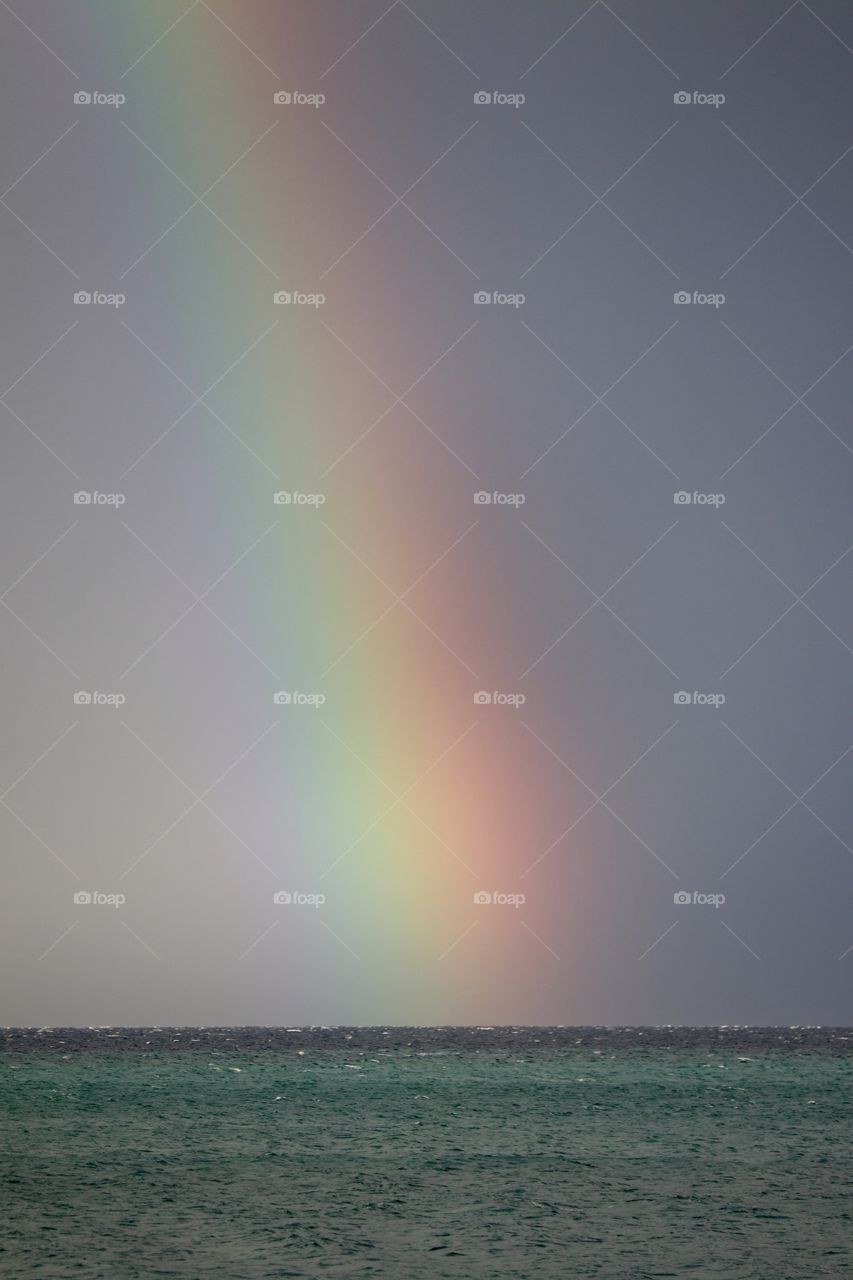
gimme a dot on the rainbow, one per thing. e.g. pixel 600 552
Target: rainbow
pixel 398 797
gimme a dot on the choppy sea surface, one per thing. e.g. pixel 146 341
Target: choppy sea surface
pixel 424 1153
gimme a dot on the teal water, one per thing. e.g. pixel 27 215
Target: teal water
pixel 381 1155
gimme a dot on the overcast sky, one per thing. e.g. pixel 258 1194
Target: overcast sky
pixel 537 319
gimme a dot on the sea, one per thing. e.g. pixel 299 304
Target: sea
pixel 420 1153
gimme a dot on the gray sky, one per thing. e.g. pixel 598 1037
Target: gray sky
pixel 655 198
